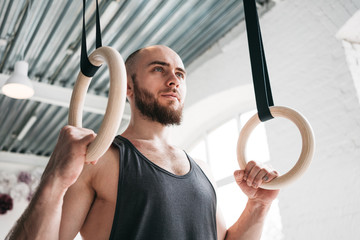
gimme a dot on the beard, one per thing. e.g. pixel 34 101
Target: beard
pixel 150 107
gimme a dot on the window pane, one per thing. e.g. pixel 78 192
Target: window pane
pixel 199 151
pixel 257 146
pixel 273 226
pixel 222 149
pixel 78 237
pixel 232 202
pixel 222 143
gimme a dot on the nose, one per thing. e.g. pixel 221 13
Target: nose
pixel 173 80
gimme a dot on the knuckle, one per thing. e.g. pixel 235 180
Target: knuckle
pixel 256 168
pixel 87 130
pixel 65 129
pixel 258 177
pixel 251 163
pixel 86 133
pixel 250 178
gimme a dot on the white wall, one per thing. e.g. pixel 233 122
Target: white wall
pixel 308 72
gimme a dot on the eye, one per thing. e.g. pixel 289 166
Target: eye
pixel 180 75
pixel 158 69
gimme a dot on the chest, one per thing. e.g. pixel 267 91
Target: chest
pixel 153 203
pixel 168 158
pixel 171 160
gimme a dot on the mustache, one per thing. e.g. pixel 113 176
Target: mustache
pixel 174 90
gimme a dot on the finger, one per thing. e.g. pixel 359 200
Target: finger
pixel 260 177
pixel 248 168
pixel 253 173
pixel 239 176
pixel 271 176
pixel 86 140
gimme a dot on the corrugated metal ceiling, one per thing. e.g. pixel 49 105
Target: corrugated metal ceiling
pixel 48 37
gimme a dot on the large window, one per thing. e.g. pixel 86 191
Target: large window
pixel 218 148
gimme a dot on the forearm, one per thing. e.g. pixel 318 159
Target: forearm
pixel 250 224
pixel 41 220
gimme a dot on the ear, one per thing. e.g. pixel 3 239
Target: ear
pixel 129 87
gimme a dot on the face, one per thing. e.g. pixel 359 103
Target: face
pixel 150 107
pixel 158 85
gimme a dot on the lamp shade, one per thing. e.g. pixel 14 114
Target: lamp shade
pixel 19 85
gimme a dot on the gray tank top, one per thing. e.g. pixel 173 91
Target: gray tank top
pixel 154 204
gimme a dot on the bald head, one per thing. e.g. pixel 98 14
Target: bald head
pixel 132 61
pixel 156 84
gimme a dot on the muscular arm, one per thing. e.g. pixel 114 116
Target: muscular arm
pixel 77 203
pixel 249 226
pixel 41 220
pixel 89 204
pixel 250 223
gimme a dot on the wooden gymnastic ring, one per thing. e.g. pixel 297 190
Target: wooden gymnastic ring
pixel 116 101
pixel 307 152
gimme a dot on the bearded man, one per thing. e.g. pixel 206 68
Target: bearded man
pixel 143 187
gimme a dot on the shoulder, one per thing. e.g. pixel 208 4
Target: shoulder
pixel 101 177
pixel 91 173
pixel 104 174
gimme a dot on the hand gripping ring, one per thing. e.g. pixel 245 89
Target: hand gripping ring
pixel 307 151
pixel 115 106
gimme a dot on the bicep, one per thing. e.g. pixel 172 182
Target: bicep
pixel 77 203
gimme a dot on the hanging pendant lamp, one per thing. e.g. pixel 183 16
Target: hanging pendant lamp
pixel 19 85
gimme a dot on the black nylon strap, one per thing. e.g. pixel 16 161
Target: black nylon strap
pixel 86 67
pixel 258 62
pixel 98 29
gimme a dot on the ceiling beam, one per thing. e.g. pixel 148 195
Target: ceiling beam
pixel 60 96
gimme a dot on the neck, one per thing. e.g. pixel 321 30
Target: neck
pixel 142 128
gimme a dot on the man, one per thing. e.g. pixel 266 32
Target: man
pixel 143 187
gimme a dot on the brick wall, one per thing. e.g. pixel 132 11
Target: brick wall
pixel 308 72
